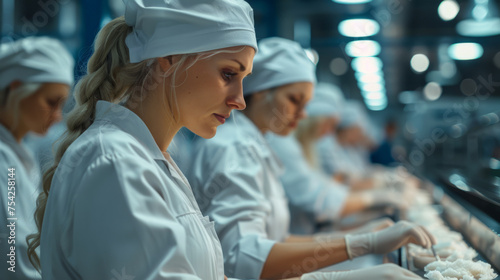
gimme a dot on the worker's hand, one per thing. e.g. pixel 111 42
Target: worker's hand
pixel 388 239
pixel 379 272
pixel 386 197
pixel 372 226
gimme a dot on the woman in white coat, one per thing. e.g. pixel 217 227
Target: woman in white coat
pixel 235 178
pixel 343 154
pixel 313 196
pixel 36 74
pixel 114 204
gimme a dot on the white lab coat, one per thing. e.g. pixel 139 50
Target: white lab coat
pixel 313 197
pixel 119 207
pixel 359 157
pixel 235 178
pixel 27 178
pixel 43 146
pixel 334 158
pixel 181 148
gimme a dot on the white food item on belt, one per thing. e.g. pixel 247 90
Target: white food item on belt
pixel 450 245
pixel 450 251
pixel 459 270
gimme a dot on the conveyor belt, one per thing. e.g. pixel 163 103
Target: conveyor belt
pixel 478 229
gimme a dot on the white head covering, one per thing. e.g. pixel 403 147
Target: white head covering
pixel 328 100
pixel 35 60
pixel 168 27
pixel 279 62
pixel 353 114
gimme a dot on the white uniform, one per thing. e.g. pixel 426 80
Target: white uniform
pixel 359 157
pixel 119 207
pixel 312 196
pixel 235 178
pixel 332 156
pixel 26 177
pixel 43 146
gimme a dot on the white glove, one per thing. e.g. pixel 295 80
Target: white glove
pixel 371 226
pixel 388 239
pixel 379 272
pixel 386 198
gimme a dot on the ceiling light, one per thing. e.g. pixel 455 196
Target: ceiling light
pixel 448 10
pixel 359 27
pixel 482 20
pixel 362 48
pixel 367 64
pixel 419 63
pixel 374 95
pixel 432 91
pixel 465 51
pixel 372 87
pixel 369 77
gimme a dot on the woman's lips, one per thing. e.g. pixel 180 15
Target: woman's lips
pixel 221 118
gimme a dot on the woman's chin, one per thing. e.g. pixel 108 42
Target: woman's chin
pixel 41 131
pixel 205 133
pixel 284 132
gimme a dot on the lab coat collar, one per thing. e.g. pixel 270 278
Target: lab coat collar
pixel 129 122
pixel 21 152
pixel 252 133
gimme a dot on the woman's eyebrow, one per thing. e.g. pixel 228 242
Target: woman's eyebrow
pixel 242 67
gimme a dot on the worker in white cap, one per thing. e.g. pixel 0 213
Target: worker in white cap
pixel 235 178
pixel 315 198
pixel 36 74
pixel 114 205
pixel 344 154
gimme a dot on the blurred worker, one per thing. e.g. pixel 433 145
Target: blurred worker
pixel 314 197
pixel 36 74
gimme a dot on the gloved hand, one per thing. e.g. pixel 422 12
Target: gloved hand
pixel 396 179
pixel 388 239
pixel 379 272
pixel 386 198
pixel 372 226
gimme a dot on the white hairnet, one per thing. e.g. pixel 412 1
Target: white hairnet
pixel 35 60
pixel 328 100
pixel 354 113
pixel 279 62
pixel 162 28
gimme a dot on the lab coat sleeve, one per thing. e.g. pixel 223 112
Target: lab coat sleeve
pixel 325 149
pixel 123 226
pixel 307 189
pixel 227 183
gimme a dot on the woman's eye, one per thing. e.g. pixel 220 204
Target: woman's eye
pixel 294 100
pixel 227 75
pixel 54 103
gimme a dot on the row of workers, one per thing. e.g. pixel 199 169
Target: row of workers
pixel 114 203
